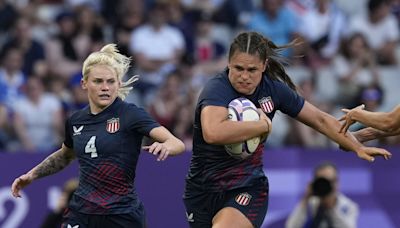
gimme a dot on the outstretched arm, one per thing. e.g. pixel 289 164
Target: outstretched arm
pixel 369 133
pixel 385 121
pixel 52 164
pixel 165 143
pixel 329 126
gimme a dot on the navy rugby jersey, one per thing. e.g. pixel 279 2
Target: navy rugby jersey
pixel 107 146
pixel 212 168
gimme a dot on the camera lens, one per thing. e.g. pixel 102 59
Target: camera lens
pixel 321 187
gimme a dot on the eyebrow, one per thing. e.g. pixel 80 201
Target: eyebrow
pixel 248 68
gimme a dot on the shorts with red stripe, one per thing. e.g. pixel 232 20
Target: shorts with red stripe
pixel 252 201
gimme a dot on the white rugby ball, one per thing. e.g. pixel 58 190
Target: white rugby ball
pixel 242 109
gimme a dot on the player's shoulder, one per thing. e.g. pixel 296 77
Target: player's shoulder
pixel 220 81
pixel 79 114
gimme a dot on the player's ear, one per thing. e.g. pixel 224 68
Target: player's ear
pixel 83 84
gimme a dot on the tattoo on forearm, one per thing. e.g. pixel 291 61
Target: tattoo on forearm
pixel 52 164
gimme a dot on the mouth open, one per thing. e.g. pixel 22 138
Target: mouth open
pixel 104 96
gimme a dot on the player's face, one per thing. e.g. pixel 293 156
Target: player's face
pixel 245 72
pixel 102 86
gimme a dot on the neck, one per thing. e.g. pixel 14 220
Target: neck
pixel 96 109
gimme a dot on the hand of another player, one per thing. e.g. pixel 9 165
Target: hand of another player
pixel 20 183
pixel 348 121
pixel 368 153
pixel 158 149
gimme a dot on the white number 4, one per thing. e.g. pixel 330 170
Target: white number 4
pixel 91 147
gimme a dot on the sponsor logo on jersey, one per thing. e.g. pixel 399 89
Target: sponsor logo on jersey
pixel 69 226
pixel 266 104
pixel 112 125
pixel 189 217
pixel 243 199
pixel 77 130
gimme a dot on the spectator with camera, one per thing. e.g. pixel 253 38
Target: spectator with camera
pixel 323 205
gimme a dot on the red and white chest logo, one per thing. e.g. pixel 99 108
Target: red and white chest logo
pixel 112 125
pixel 243 199
pixel 266 104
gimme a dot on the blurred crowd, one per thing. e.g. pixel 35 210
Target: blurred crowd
pixel 348 55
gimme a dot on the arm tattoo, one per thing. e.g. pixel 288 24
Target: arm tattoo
pixel 53 163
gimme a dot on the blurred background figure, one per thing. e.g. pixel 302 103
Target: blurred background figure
pixel 301 134
pixel 65 50
pixel 322 28
pixel 54 218
pixel 12 78
pixel 38 121
pixel 32 50
pixel 157 48
pixel 355 66
pixel 380 28
pixel 275 21
pixel 323 205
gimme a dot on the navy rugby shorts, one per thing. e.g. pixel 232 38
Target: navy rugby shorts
pixel 251 201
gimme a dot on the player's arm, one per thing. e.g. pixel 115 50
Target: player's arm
pixel 329 126
pixel 384 121
pixel 369 133
pixel 165 143
pixel 50 165
pixel 217 129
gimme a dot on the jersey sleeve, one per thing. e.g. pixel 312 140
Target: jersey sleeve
pixel 215 93
pixel 68 136
pixel 290 102
pixel 139 120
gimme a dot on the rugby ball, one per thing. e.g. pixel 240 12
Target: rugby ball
pixel 242 109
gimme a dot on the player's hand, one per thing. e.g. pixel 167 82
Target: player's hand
pixel 368 153
pixel 20 183
pixel 348 121
pixel 158 149
pixel 268 122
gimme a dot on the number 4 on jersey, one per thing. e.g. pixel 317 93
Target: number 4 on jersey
pixel 91 147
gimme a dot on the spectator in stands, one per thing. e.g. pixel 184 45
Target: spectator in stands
pixel 90 28
pixel 380 28
pixel 65 51
pixel 322 26
pixel 301 134
pixel 38 118
pixel 130 15
pixel 8 16
pixel 323 205
pixel 167 102
pixel 276 21
pixel 157 48
pixel 208 52
pixel 11 76
pixel 32 50
pixel 355 66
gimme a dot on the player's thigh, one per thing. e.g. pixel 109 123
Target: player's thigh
pixel 232 218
